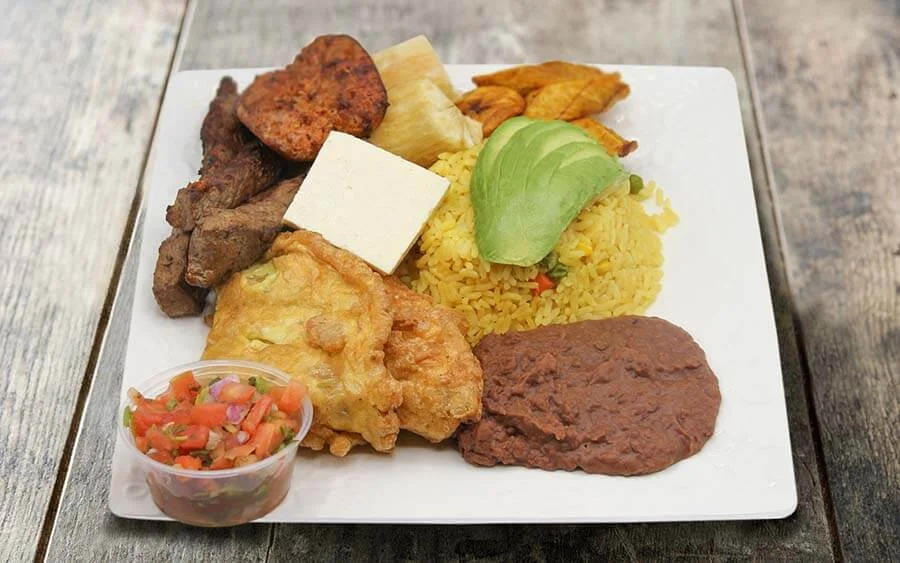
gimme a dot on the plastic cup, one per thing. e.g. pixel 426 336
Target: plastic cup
pixel 223 497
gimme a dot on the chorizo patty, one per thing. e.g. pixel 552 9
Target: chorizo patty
pixel 331 85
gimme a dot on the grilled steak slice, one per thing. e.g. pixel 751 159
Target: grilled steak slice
pixel 222 134
pixel 173 295
pixel 252 170
pixel 232 239
pixel 331 85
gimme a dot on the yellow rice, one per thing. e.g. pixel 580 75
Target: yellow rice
pixel 612 251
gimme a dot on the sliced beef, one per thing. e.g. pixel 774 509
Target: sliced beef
pixel 251 171
pixel 175 297
pixel 232 239
pixel 222 134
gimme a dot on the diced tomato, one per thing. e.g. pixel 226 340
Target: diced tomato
pixel 544 283
pixel 286 426
pixel 143 418
pixel 240 451
pixel 267 438
pixel 221 463
pixel 275 391
pixel 158 439
pixel 181 414
pixel 184 387
pixel 188 462
pixel 140 442
pixel 291 401
pixel 162 457
pixel 231 441
pixel 209 414
pixel 236 393
pixel 256 414
pixel 195 438
pixel 167 396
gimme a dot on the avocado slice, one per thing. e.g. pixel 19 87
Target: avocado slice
pixel 534 186
pixel 495 143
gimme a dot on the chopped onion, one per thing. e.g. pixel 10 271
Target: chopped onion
pixel 213 441
pixel 242 437
pixel 216 387
pixel 236 413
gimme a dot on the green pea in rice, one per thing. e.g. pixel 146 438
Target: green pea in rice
pixel 612 251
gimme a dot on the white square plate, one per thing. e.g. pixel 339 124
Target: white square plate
pixel 691 137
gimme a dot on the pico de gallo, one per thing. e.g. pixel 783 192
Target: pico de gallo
pixel 222 423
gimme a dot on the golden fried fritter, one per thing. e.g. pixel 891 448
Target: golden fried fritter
pixel 322 315
pixel 428 354
pixel 331 85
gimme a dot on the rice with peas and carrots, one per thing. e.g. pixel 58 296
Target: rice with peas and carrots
pixel 612 251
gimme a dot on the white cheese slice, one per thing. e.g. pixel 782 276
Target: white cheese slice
pixel 366 200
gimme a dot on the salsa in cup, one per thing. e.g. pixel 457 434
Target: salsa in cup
pixel 217 439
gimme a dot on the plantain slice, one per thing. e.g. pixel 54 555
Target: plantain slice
pixel 491 105
pixel 611 141
pixel 526 78
pixel 575 99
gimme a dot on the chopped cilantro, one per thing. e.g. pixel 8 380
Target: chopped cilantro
pixel 261 385
pixel 287 433
pixel 128 418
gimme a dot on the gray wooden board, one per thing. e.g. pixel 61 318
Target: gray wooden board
pixel 236 34
pixel 829 83
pixel 80 89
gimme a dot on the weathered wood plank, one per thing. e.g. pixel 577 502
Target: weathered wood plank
pixel 233 34
pixel 829 88
pixel 85 528
pixel 81 85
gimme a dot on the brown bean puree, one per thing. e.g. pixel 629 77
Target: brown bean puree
pixel 622 396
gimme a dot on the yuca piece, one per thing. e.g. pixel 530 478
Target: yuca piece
pixel 411 60
pixel 422 122
pixel 526 78
pixel 331 85
pixel 491 105
pixel 575 99
pixel 233 239
pixel 611 141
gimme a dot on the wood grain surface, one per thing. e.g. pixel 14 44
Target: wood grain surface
pixel 235 34
pixel 81 86
pixel 829 83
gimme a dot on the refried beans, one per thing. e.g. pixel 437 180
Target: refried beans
pixel 623 396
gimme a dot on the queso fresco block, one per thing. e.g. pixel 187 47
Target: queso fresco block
pixel 366 200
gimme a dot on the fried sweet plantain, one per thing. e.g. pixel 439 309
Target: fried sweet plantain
pixel 575 99
pixel 526 78
pixel 331 85
pixel 614 143
pixel 491 105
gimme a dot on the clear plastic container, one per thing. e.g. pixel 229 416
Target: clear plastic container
pixel 224 497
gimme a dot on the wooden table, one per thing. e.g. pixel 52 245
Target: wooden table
pixel 83 80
